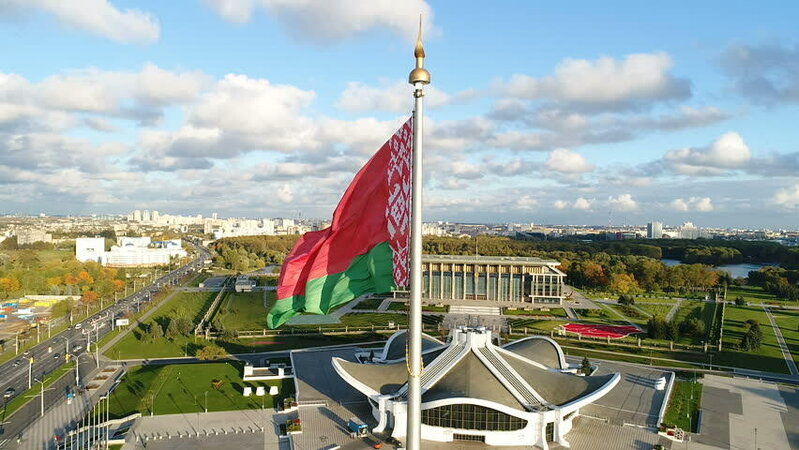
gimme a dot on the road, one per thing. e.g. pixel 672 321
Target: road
pixel 50 353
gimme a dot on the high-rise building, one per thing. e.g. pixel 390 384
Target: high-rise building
pixel 145 215
pixel 654 230
pixel 137 216
pixel 155 216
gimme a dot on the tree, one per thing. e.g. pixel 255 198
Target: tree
pixel 753 337
pixel 585 367
pixel 740 301
pixel 623 283
pixel 179 326
pixel 626 299
pixel 211 352
pixel 155 331
pixel 90 297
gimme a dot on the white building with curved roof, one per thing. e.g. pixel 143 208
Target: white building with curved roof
pixel 523 393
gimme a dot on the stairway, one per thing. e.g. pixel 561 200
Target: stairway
pixel 475 310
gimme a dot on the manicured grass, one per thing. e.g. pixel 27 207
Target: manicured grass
pixel 683 408
pixel 788 321
pixel 397 306
pixel 702 310
pixel 635 315
pixel 376 319
pixel 519 325
pixel 655 310
pixel 22 398
pixel 768 357
pixel 188 304
pixel 639 300
pixel 288 342
pixel 557 312
pixel 754 294
pixel 434 308
pixel 369 303
pixel 244 310
pixel 181 389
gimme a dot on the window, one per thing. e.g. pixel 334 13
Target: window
pixel 471 417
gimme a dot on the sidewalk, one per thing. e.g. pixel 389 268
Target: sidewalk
pixel 786 352
pixel 194 426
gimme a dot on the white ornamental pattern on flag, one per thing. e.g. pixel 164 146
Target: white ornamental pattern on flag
pixel 398 209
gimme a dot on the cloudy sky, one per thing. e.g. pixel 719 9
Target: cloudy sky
pixel 621 111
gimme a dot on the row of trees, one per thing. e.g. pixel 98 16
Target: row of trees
pixel 252 252
pixel 778 281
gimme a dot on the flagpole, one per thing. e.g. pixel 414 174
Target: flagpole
pixel 418 78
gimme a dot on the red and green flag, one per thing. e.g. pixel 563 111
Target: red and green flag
pixel 366 249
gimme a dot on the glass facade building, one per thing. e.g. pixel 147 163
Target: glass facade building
pixel 466 416
pixel 491 278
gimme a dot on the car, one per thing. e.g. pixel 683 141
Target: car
pixel 9 393
pixel 77 348
pixel 17 363
pixel 78 326
pixel 56 356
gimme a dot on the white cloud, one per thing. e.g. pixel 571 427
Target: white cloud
pixel 322 21
pixel 98 17
pixel 727 152
pixel 394 97
pixel 526 202
pixel 698 204
pixel 623 202
pixel 285 194
pixel 566 161
pixel 787 198
pixel 604 82
pixel 582 204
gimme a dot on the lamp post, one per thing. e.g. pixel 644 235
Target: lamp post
pixel 206 401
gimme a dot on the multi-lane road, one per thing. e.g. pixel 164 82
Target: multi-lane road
pixel 50 353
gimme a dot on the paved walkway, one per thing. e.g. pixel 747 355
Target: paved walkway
pixel 262 425
pixel 673 311
pixel 621 316
pixel 786 352
pixel 753 410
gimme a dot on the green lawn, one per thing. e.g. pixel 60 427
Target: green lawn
pixel 631 312
pixel 768 357
pixel 397 306
pixel 702 310
pixel 683 408
pixel 181 388
pixel 754 294
pixel 244 310
pixel 655 310
pixel 288 342
pixel 788 321
pixel 190 304
pixel 376 319
pixel 557 312
pixel 519 325
pixel 369 303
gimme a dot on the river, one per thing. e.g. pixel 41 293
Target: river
pixel 736 270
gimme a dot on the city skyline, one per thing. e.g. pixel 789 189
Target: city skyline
pixel 536 113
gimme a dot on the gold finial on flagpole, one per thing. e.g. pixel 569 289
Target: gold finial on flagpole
pixel 419 74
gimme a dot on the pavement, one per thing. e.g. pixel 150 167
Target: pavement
pixel 244 429
pixel 674 309
pixel 786 352
pixel 740 413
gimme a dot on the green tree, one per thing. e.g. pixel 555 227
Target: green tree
pixel 585 366
pixel 753 338
pixel 211 352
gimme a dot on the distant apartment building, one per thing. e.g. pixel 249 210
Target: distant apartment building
pixel 29 236
pixel 654 230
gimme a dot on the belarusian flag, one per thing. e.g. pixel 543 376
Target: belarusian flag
pixel 366 249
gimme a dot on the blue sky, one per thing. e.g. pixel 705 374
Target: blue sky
pixel 545 113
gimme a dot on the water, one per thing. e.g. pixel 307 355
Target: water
pixel 736 270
